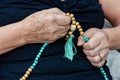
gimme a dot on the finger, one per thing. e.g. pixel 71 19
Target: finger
pixel 62 29
pixel 58 20
pixel 93 52
pixel 80 41
pixel 95 59
pixel 100 64
pixel 61 33
pixel 104 53
pixel 92 43
pixel 90 32
pixel 62 20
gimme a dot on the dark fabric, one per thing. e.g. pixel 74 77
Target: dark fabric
pixel 52 65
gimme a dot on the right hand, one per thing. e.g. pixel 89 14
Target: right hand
pixel 46 26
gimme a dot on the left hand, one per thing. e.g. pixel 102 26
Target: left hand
pixel 97 48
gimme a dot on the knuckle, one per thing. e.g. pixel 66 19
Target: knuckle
pixel 91 53
pixel 61 35
pixel 100 64
pixel 50 19
pixel 101 35
pixel 67 27
pixel 97 64
pixel 51 39
pixel 94 64
pixel 85 52
pixel 50 31
pixel 106 45
pixel 91 29
pixel 56 9
pixel 96 59
pixel 88 58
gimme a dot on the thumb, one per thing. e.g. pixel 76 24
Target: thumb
pixel 90 32
pixel 80 41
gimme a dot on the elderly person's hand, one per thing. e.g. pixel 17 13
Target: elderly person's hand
pixel 97 48
pixel 46 26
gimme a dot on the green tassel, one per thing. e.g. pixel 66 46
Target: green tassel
pixel 70 49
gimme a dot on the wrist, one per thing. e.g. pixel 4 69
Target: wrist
pixel 106 32
pixel 22 32
pixel 31 30
pixel 113 37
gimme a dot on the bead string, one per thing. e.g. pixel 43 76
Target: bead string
pixel 30 69
pixel 73 27
pixel 77 25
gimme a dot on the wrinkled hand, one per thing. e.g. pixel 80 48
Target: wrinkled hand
pixel 97 48
pixel 46 26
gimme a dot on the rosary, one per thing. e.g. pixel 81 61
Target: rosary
pixel 69 46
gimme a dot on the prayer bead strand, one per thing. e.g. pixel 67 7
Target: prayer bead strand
pixel 74 25
pixel 27 73
pixel 81 32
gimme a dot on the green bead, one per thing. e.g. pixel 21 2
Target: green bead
pixel 104 73
pixel 85 39
pixel 37 56
pixel 106 79
pixel 41 50
pixel 44 45
pixel 35 62
pixel 32 67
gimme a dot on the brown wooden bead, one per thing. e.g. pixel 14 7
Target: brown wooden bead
pixel 71 15
pixel 73 22
pixel 80 30
pixel 70 32
pixel 67 37
pixel 26 75
pixel 77 24
pixel 28 72
pixel 29 69
pixel 73 19
pixel 23 78
pixel 67 14
pixel 79 27
pixel 81 33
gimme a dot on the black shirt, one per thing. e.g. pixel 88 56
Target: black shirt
pixel 52 65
